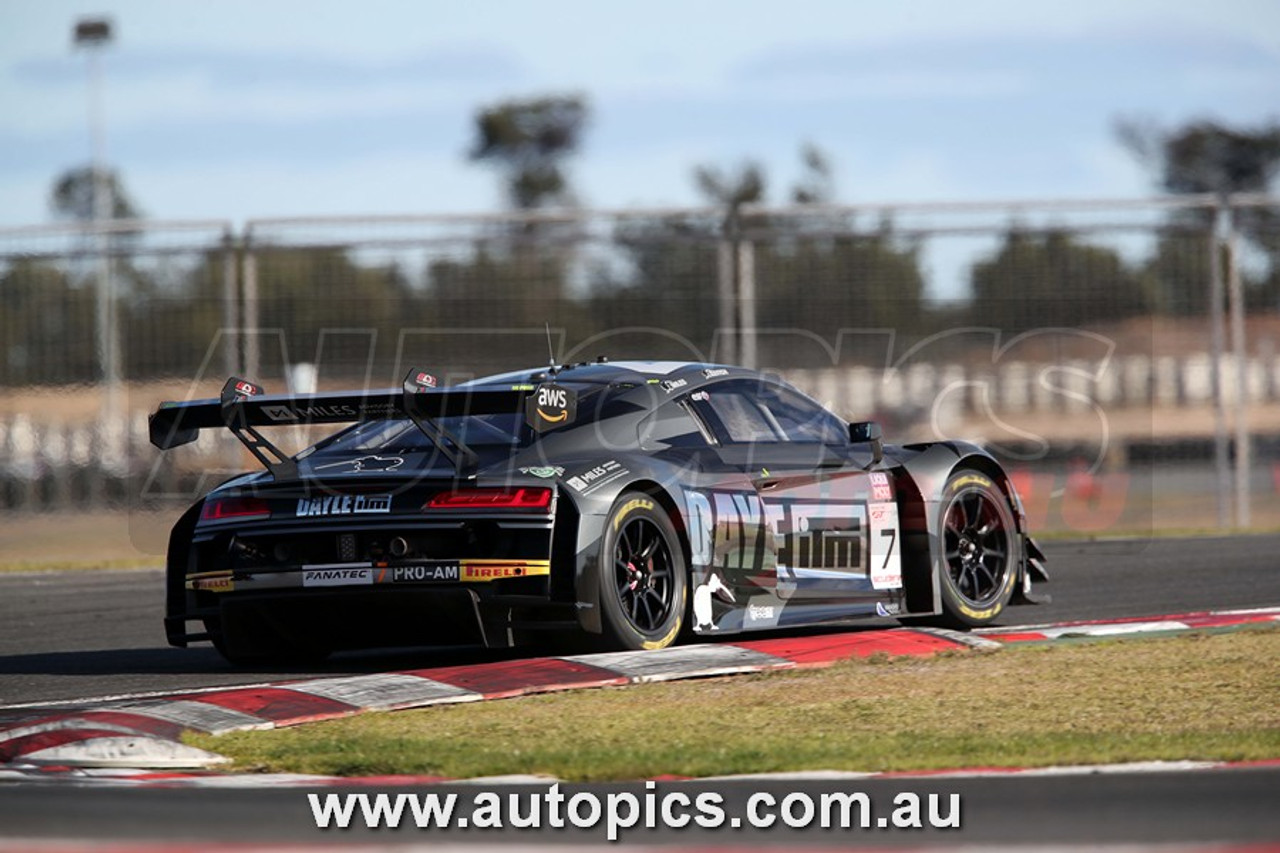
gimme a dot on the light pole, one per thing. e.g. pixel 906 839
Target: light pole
pixel 93 35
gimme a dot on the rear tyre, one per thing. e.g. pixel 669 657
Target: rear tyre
pixel 979 569
pixel 643 578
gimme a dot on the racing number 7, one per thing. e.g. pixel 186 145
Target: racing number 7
pixel 892 533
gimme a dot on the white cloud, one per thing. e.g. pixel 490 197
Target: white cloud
pixel 688 83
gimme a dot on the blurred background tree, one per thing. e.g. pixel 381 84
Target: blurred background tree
pixel 528 140
pixel 1208 157
pixel 1053 279
pixel 73 191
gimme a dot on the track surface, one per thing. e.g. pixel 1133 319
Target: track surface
pixel 72 635
pixel 67 636
pixel 1236 806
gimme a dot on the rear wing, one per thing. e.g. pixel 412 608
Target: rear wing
pixel 243 407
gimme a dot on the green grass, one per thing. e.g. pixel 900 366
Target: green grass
pixel 1198 696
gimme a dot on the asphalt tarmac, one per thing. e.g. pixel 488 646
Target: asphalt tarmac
pixel 67 636
pixel 75 635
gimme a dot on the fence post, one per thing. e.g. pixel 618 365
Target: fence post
pixel 249 307
pixel 230 308
pixel 1235 301
pixel 747 302
pixel 726 281
pixel 1217 339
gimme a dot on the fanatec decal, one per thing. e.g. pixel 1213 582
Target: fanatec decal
pixel 337 577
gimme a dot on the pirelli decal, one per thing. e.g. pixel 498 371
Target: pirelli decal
pixel 462 571
pixel 492 570
pixel 211 582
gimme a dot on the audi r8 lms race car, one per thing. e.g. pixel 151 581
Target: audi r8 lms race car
pixel 636 502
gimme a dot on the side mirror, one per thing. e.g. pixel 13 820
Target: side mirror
pixel 868 432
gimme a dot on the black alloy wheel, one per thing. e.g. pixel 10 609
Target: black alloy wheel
pixel 979 566
pixel 643 579
pixel 643 574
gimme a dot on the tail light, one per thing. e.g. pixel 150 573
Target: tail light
pixel 520 498
pixel 223 509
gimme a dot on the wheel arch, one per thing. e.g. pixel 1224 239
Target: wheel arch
pixel 672 506
pixel 984 464
pixel 930 467
pixel 590 530
pixel 177 565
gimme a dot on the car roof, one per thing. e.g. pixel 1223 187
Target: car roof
pixel 610 373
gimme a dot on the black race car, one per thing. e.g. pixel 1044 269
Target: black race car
pixel 637 501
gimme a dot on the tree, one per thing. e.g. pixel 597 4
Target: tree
pixel 314 289
pixel 46 327
pixel 816 274
pixel 825 283
pixel 745 186
pixel 1208 157
pixel 1052 279
pixel 668 284
pixel 529 140
pixel 818 185
pixel 73 195
pixel 1204 156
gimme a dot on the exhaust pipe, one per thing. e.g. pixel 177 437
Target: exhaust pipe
pixel 398 547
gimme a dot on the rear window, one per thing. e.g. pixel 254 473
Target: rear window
pixel 402 436
pixel 479 432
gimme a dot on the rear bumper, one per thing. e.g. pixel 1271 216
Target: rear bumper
pixel 360 606
pixel 373 616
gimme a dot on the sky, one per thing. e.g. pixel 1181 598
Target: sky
pixel 237 110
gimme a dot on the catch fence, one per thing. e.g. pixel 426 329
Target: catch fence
pixel 1100 348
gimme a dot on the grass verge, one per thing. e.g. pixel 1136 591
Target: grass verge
pixel 1212 696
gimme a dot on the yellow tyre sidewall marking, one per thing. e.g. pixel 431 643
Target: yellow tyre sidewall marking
pixel 628 508
pixel 976 479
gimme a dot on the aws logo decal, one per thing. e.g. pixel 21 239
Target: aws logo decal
pixel 550 405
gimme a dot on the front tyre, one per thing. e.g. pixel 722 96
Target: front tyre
pixel 979 567
pixel 643 577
